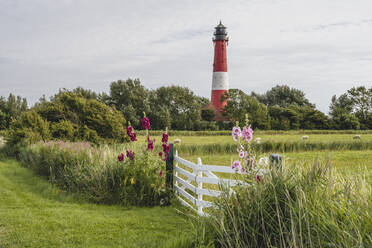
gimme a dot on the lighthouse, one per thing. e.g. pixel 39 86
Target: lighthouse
pixel 220 80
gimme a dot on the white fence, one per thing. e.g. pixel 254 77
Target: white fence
pixel 200 174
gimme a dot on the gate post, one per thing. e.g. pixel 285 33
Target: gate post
pixel 169 168
pixel 276 161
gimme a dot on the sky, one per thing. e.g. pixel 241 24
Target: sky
pixel 322 47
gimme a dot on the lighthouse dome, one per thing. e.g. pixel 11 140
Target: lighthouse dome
pixel 220 33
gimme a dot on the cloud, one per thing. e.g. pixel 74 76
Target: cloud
pixel 47 45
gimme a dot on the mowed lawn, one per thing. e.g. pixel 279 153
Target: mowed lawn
pixel 33 213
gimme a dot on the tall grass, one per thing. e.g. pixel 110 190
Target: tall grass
pixel 95 172
pixel 301 207
pixel 275 146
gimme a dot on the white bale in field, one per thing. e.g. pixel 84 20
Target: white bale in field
pixel 257 140
pixel 356 136
pixel 305 137
pixel 177 141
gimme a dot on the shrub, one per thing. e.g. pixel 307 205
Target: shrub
pixel 97 174
pixel 301 207
pixel 63 130
pixel 30 127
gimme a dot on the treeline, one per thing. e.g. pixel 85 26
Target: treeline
pixel 82 114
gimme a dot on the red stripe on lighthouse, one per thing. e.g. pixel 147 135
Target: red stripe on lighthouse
pixel 220 58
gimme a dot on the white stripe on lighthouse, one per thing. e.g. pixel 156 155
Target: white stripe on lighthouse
pixel 220 80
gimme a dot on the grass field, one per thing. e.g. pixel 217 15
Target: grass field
pixel 344 161
pixel 198 140
pixel 35 214
pixel 275 138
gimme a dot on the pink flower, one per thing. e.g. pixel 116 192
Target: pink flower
pixel 121 157
pixel 247 134
pixel 161 173
pixel 243 170
pixel 236 133
pixel 130 154
pixel 236 164
pixel 241 154
pixel 146 123
pixel 165 138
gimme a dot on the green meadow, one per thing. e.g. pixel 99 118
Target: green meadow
pixel 36 213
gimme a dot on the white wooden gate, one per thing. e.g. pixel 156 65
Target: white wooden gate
pixel 194 182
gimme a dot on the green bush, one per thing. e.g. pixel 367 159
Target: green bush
pixel 301 207
pixel 30 127
pixel 97 174
pixel 63 130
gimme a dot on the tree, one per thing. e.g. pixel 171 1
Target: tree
pixel 352 110
pixel 283 96
pixel 129 97
pixel 240 104
pixel 11 109
pixel 30 127
pixel 361 98
pixel 76 117
pixel 207 115
pixel 179 104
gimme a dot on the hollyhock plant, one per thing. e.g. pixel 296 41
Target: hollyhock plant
pixel 133 137
pixel 247 134
pixel 121 157
pixel 166 148
pixel 165 157
pixel 150 143
pixel 241 154
pixel 165 138
pixel 129 130
pixel 236 133
pixel 130 154
pixel 146 123
pixel 236 165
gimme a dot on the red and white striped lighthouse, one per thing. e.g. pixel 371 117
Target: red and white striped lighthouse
pixel 220 81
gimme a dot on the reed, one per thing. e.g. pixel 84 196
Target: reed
pixel 304 206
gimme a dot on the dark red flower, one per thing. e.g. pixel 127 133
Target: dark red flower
pixel 129 130
pixel 258 178
pixel 121 157
pixel 133 137
pixel 161 173
pixel 130 154
pixel 166 148
pixel 145 123
pixel 165 157
pixel 160 154
pixel 150 143
pixel 165 138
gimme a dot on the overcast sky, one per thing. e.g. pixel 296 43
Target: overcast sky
pixel 322 47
